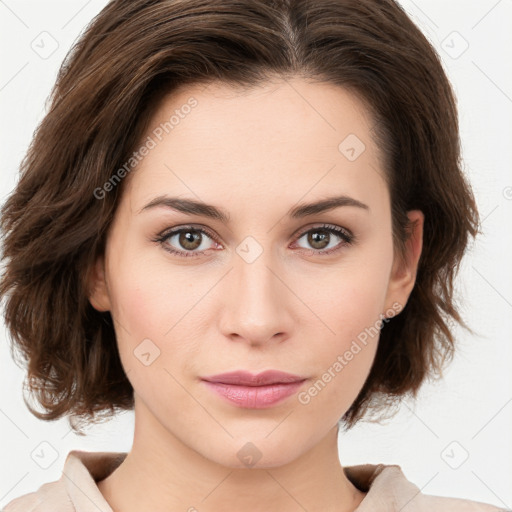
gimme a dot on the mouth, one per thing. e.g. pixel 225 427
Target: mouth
pixel 246 390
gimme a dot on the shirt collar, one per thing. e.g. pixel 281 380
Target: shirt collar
pixel 386 486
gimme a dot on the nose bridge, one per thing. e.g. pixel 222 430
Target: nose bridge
pixel 256 308
pixel 255 276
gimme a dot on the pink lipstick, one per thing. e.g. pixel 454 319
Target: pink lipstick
pixel 260 391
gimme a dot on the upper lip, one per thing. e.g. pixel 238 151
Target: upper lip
pixel 244 378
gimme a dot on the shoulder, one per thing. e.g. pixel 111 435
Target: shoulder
pixel 76 490
pixel 50 496
pixel 440 503
pixel 388 489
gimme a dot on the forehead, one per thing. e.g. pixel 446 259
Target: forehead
pixel 280 137
pixel 279 112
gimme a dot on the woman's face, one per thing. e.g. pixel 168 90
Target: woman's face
pixel 268 287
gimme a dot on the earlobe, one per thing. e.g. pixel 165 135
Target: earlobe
pixel 97 286
pixel 405 267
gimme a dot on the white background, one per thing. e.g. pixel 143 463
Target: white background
pixel 468 413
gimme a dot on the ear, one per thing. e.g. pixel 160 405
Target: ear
pixel 97 286
pixel 405 266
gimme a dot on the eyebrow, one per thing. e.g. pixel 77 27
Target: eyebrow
pixel 200 208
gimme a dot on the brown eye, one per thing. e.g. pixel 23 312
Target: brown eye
pixel 186 241
pixel 189 239
pixel 320 238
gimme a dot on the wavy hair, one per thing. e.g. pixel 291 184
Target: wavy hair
pixel 132 54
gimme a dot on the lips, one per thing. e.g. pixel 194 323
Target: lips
pixel 243 378
pixel 243 389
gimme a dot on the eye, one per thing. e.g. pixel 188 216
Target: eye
pixel 188 239
pixel 321 237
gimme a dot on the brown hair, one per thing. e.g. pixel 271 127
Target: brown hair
pixel 136 51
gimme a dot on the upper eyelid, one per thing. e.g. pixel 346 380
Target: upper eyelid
pixel 324 226
pixel 173 231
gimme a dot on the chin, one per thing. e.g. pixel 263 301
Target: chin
pixel 258 453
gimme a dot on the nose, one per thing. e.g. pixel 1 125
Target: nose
pixel 257 304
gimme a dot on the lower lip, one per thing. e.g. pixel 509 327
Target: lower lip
pixel 255 397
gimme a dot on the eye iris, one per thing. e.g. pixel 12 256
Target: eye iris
pixel 322 239
pixel 189 239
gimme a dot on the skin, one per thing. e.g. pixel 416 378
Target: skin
pixel 256 154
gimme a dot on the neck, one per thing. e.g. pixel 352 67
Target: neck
pixel 179 478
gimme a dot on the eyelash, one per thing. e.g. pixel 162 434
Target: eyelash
pixel 346 236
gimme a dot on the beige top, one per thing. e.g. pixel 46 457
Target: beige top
pixel 76 491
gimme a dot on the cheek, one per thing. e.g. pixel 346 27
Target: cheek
pixel 155 308
pixel 147 299
pixel 349 302
pixel 343 354
pixel 143 309
pixel 140 304
pixel 350 297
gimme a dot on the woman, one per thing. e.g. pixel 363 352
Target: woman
pixel 243 220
